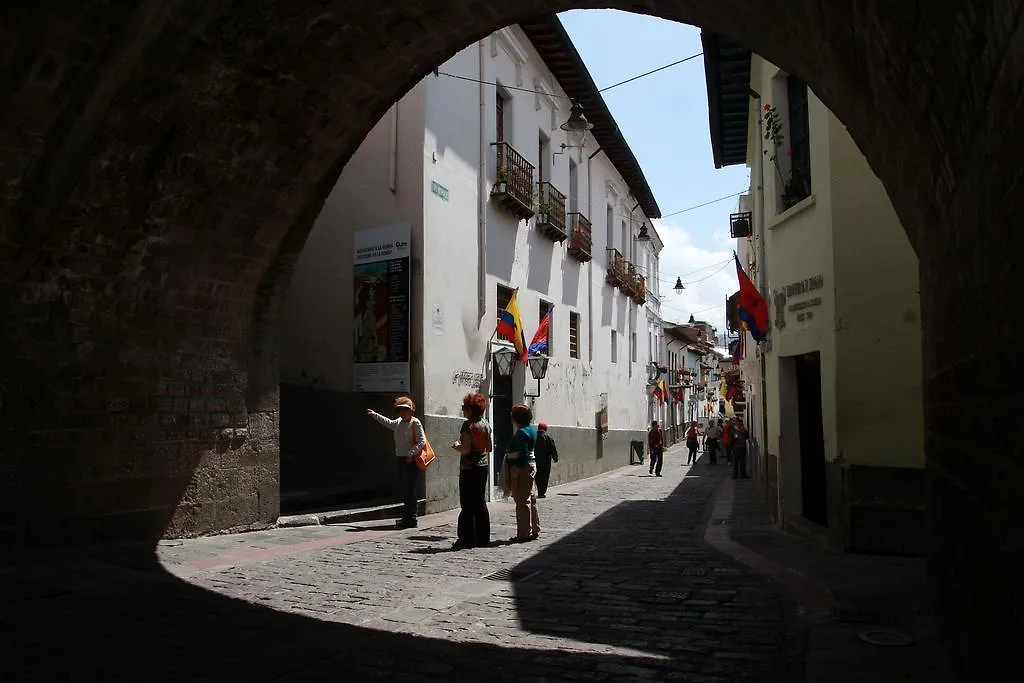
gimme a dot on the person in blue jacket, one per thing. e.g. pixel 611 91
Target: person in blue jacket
pixel 522 469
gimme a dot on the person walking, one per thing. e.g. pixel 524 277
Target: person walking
pixel 692 442
pixel 522 471
pixel 656 445
pixel 409 441
pixel 714 433
pixel 739 450
pixel 546 452
pixel 727 441
pixel 474 446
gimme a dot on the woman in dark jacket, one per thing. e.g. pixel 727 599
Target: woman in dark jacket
pixel 474 447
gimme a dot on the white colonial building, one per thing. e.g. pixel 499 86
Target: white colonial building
pixel 496 198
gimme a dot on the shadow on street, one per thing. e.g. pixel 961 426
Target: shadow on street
pixel 633 578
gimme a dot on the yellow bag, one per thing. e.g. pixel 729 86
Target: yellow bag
pixel 425 456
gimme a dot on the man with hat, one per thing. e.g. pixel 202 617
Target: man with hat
pixel 546 453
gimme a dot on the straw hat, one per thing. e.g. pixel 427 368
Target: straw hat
pixel 405 402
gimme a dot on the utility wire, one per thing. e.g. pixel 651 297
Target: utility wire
pixel 648 73
pixel 438 72
pixel 713 201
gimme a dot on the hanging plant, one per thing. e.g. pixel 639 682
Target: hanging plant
pixel 772 125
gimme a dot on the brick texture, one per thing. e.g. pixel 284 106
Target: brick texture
pixel 161 164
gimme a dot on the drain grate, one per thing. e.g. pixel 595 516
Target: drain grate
pixel 568 494
pixel 511 575
pixel 859 615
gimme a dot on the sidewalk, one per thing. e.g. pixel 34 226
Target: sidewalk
pixel 621 586
pixel 842 598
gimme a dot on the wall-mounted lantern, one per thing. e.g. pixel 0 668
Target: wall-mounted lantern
pixel 505 361
pixel 539 370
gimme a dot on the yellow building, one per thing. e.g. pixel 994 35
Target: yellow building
pixel 835 395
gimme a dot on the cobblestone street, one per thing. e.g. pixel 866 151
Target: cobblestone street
pixel 620 587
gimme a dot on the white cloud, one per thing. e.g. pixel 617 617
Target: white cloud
pixel 709 276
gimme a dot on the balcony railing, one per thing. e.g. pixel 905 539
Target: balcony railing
pixel 580 237
pixel 640 290
pixel 514 187
pixel 551 212
pixel 615 275
pixel 628 282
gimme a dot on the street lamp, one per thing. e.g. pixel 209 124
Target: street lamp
pixel 692 321
pixel 679 286
pixel 643 235
pixel 576 126
pixel 539 370
pixel 505 360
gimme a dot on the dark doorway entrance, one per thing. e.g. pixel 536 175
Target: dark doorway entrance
pixel 501 406
pixel 812 438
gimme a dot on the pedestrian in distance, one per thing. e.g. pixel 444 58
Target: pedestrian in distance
pixel 546 452
pixel 714 433
pixel 409 441
pixel 692 442
pixel 739 450
pixel 474 449
pixel 521 464
pixel 656 445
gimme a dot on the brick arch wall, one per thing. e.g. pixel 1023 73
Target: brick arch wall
pixel 161 166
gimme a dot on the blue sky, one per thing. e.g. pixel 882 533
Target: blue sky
pixel 664 118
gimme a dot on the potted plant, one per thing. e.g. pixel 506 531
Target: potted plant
pixel 501 186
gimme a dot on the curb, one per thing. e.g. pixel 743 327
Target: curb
pixel 395 509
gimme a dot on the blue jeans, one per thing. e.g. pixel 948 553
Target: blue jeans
pixel 409 481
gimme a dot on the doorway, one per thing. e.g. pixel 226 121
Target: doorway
pixel 813 486
pixel 501 422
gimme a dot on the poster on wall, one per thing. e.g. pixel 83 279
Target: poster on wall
pixel 381 326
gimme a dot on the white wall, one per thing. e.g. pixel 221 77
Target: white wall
pixel 318 311
pixel 517 255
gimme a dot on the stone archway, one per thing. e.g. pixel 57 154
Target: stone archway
pixel 161 168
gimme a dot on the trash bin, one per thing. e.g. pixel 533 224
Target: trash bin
pixel 636 452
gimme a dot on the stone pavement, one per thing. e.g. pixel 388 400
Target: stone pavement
pixel 621 586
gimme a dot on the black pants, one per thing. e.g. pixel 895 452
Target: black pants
pixel 728 453
pixel 474 520
pixel 712 451
pixel 543 475
pixel 739 462
pixel 409 476
pixel 692 446
pixel 657 459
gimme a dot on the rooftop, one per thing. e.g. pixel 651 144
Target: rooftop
pixel 554 46
pixel 727 72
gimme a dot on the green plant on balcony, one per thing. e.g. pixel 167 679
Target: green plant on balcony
pixel 501 185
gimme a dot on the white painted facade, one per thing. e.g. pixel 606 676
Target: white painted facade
pixel 431 162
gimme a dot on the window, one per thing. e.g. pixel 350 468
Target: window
pixel 625 241
pixel 574 334
pixel 504 296
pixel 542 310
pixel 799 141
pixel 574 186
pixel 632 347
pixel 609 226
pixel 542 160
pixel 499 118
pixel 615 347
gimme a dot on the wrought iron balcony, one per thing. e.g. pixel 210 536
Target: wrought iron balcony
pixel 551 212
pixel 615 275
pixel 580 238
pixel 640 290
pixel 514 187
pixel 628 282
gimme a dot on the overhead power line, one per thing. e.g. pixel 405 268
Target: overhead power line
pixel 438 72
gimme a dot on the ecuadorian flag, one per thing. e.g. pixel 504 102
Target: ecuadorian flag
pixel 510 325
